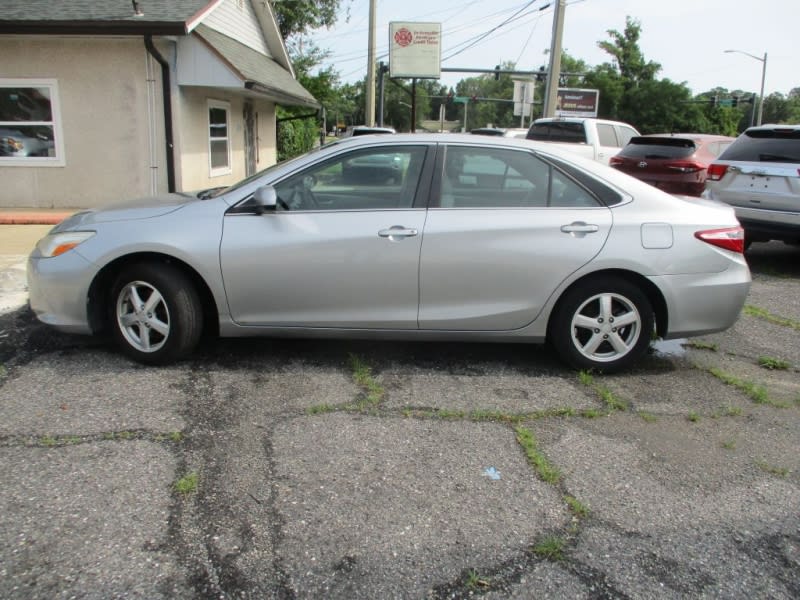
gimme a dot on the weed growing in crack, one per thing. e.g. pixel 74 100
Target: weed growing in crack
pixel 188 483
pixel 773 364
pixel 772 469
pixel 578 509
pixel 729 444
pixel 362 375
pixel 606 395
pixel 550 548
pixel 693 416
pixel 546 472
pixel 475 581
pixel 756 392
pixel 755 311
pixel 701 345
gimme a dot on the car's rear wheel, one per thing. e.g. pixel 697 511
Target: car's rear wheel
pixel 155 313
pixel 602 324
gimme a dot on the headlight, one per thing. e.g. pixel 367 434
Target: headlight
pixel 58 243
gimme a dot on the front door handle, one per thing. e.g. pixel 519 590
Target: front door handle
pixel 579 228
pixel 397 233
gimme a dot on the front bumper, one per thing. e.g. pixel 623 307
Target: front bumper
pixel 58 288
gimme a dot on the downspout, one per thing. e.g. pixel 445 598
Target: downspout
pixel 167 96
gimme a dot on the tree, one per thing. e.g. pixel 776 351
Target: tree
pixel 297 16
pixel 630 62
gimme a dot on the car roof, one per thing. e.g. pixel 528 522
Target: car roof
pixel 691 136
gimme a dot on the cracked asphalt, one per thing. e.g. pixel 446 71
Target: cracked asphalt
pixel 678 479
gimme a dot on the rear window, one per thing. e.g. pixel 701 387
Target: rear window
pixel 557 131
pixel 765 145
pixel 654 148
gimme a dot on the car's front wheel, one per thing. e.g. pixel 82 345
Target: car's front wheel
pixel 602 324
pixel 155 313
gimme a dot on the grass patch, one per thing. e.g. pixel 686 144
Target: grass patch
pixel 3 372
pixel 550 548
pixel 729 444
pixel 693 417
pixel 546 472
pixel 772 469
pixel 578 508
pixel 188 483
pixel 760 313
pixel 647 417
pixel 320 409
pixel 773 364
pixel 48 441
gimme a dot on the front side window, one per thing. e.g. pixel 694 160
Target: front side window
pixel 30 124
pixel 219 146
pixel 377 178
pixel 479 177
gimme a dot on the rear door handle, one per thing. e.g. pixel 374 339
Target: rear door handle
pixel 397 232
pixel 579 228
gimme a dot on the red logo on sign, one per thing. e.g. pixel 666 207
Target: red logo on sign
pixel 403 37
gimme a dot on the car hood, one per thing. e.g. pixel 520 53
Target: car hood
pixel 129 210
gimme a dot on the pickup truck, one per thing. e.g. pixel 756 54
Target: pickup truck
pixel 592 138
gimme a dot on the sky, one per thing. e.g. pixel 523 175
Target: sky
pixel 687 37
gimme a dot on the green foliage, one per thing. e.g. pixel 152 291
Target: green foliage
pixel 547 472
pixel 550 548
pixel 297 16
pixel 188 483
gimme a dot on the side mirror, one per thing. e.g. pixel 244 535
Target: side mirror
pixel 266 198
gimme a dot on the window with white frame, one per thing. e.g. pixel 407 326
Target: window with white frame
pixel 30 123
pixel 219 143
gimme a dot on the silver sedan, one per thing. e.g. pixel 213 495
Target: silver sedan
pixel 426 237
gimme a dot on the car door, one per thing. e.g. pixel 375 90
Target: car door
pixel 341 249
pixel 508 229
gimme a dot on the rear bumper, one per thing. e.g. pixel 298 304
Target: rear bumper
pixel 705 302
pixel 769 224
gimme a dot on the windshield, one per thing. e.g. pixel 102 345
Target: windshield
pixel 770 145
pixel 558 131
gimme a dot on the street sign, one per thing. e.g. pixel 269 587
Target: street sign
pixel 461 99
pixel 415 50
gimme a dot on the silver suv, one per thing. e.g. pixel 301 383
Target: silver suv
pixel 759 175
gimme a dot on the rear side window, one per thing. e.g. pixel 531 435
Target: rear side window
pixel 765 145
pixel 655 148
pixel 557 131
pixel 486 177
pixel 606 135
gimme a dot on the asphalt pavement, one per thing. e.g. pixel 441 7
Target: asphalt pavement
pixel 309 469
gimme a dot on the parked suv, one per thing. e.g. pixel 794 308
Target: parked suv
pixel 675 163
pixel 759 175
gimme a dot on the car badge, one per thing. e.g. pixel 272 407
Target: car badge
pixel 642 165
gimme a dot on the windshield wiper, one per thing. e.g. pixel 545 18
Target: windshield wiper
pixel 210 193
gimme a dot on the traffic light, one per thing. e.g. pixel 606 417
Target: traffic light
pixel 714 101
pixel 735 101
pixel 496 72
pixel 450 95
pixel 474 97
pixel 541 74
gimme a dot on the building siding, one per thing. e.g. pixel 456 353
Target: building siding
pixel 241 24
pixel 106 103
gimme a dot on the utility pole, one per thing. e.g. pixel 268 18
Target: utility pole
pixel 370 108
pixel 554 73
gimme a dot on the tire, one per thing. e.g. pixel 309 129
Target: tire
pixel 602 324
pixel 169 320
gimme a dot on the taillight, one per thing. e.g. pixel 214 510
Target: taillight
pixel 730 238
pixel 685 166
pixel 616 161
pixel 716 171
